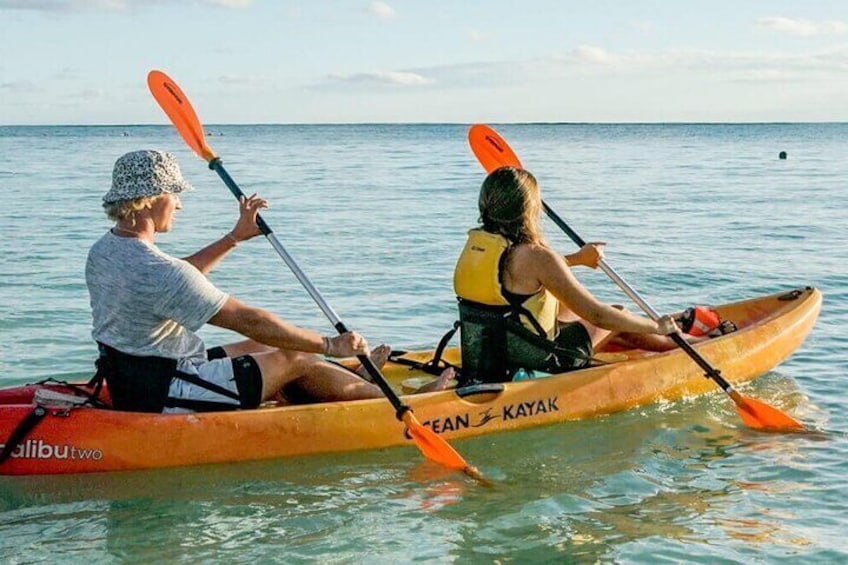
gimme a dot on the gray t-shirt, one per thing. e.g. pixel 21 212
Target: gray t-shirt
pixel 145 302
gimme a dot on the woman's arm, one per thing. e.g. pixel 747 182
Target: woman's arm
pixel 246 228
pixel 551 270
pixel 589 255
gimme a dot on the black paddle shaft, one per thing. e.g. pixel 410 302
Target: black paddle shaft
pixel 218 166
pixel 400 408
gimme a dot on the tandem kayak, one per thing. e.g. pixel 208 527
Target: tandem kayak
pixel 60 438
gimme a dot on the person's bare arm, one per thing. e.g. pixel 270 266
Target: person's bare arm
pixel 267 328
pixel 246 228
pixel 552 272
pixel 589 255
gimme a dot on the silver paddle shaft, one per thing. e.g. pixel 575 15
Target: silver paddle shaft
pixel 378 378
pixel 304 280
pixel 629 290
pixel 709 370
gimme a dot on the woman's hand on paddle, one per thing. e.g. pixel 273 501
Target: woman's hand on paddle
pixel 667 326
pixel 589 255
pixel 347 344
pixel 246 227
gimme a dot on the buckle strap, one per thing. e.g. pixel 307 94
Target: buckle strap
pixel 195 380
pixel 432 366
pixel 22 431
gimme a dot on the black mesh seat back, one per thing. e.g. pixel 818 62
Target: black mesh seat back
pixel 483 341
pixel 495 344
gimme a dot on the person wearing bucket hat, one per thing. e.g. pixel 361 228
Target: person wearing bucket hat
pixel 147 307
pixel 140 174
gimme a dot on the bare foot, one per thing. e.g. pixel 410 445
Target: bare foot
pixel 379 356
pixel 443 382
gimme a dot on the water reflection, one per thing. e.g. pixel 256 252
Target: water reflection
pixel 670 475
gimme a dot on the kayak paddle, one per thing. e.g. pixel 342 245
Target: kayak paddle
pixel 181 113
pixel 492 151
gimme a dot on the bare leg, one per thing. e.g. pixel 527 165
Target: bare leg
pixel 307 378
pixel 647 342
pixel 650 342
pixel 596 334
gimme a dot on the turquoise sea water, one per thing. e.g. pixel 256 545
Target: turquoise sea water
pixel 376 215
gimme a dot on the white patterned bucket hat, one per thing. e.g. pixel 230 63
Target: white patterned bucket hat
pixel 145 173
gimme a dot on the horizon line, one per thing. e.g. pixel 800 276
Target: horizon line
pixel 502 123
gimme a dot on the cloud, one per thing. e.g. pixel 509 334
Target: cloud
pixel 586 61
pixel 803 28
pixel 382 10
pixel 592 55
pixel 67 73
pixel 90 94
pixel 243 80
pixel 643 26
pixel 764 76
pixel 230 3
pixel 394 78
pixel 64 5
pixel 19 87
pixel 101 5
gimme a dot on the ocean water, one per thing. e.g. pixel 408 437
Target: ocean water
pixel 375 215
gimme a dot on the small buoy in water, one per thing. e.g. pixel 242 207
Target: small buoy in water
pixel 782 155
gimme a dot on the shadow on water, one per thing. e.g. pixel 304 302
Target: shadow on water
pixel 675 473
pixel 263 506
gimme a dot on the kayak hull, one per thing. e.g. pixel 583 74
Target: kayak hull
pixel 85 440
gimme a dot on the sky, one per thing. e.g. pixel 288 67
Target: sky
pixel 431 61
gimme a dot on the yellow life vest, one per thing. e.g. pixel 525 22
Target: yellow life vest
pixel 478 275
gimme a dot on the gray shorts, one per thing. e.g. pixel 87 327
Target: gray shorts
pixel 239 381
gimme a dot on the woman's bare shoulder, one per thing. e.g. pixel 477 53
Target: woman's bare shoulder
pixel 534 252
pixel 532 259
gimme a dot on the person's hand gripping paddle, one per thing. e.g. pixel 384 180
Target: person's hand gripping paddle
pixel 493 152
pixel 181 113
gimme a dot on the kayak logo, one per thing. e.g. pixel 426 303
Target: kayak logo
pixel 39 449
pixel 532 408
pixel 503 414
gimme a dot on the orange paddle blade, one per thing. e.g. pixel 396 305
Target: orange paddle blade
pixel 178 108
pixel 435 448
pixel 491 149
pixel 761 416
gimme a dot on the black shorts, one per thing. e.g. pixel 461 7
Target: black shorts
pixel 574 338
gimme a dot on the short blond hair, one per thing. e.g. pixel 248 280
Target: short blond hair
pixel 126 209
pixel 510 205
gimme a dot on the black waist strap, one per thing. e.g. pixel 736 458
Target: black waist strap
pixel 195 380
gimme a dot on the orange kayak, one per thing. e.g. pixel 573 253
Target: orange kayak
pixel 69 438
